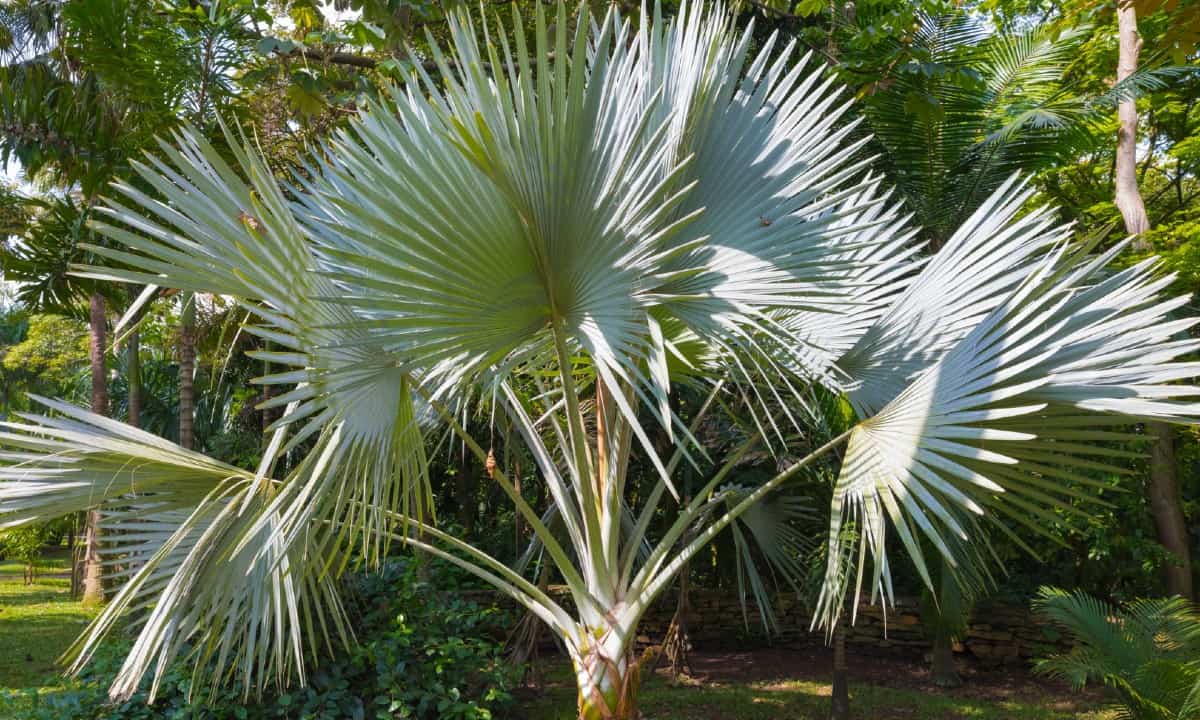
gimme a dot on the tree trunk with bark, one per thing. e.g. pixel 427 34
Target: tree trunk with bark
pixel 1166 503
pixel 187 370
pixel 1127 196
pixel 93 587
pixel 677 643
pixel 943 671
pixel 72 552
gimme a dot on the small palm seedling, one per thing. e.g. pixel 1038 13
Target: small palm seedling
pixel 1147 652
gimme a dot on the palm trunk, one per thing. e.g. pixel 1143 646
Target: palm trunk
pixel 134 378
pixel 187 370
pixel 944 673
pixel 1166 504
pixel 465 491
pixel 71 553
pixel 840 706
pixel 607 677
pixel 93 588
pixel 678 641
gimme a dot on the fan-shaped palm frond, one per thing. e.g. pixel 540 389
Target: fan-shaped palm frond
pixel 771 533
pixel 980 264
pixel 56 464
pixel 1004 418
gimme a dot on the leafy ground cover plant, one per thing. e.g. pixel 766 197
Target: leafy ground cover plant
pixel 416 659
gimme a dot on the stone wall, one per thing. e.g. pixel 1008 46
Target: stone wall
pixel 998 634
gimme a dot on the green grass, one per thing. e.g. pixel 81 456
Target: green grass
pixel 809 700
pixel 54 561
pixel 37 623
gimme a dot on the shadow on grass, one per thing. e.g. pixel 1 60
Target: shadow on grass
pixel 37 624
pixel 796 700
pixel 44 591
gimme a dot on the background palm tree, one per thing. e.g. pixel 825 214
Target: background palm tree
pixel 39 261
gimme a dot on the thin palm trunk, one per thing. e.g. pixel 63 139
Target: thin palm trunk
pixel 1166 503
pixel 72 552
pixel 943 672
pixel 93 587
pixel 945 613
pixel 840 700
pixel 133 379
pixel 187 370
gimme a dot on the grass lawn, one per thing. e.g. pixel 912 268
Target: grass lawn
pixel 809 700
pixel 37 623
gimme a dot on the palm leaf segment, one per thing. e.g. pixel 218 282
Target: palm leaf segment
pixel 612 206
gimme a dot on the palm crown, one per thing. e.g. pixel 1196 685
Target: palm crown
pixel 569 228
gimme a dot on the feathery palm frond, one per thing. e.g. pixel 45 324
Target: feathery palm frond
pixel 1146 652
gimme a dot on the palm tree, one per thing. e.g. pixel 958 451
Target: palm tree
pixel 570 229
pixel 966 109
pixel 40 262
pixel 1147 653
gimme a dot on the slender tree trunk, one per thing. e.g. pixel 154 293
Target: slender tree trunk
pixel 1127 197
pixel 268 391
pixel 1166 504
pixel 677 642
pixel 72 552
pixel 840 705
pixel 133 378
pixel 93 588
pixel 187 370
pixel 467 486
pixel 944 615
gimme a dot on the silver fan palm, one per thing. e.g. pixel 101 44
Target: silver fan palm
pixel 599 216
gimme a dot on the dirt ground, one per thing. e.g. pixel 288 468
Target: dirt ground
pixel 992 684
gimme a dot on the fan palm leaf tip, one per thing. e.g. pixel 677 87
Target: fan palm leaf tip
pixel 573 222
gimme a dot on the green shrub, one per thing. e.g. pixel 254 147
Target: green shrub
pixel 1147 653
pixel 424 653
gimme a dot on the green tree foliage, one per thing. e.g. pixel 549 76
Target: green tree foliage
pixel 26 544
pixel 52 354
